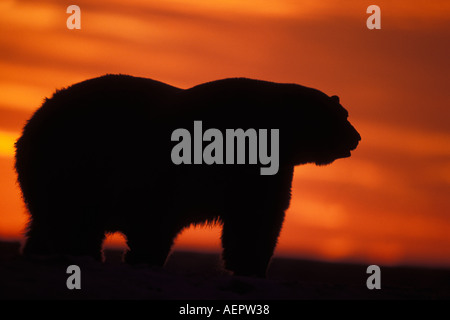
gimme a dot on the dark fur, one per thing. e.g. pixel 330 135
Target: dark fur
pixel 95 158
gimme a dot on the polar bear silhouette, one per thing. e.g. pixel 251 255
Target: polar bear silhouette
pixel 95 158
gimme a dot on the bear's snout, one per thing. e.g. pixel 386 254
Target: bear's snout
pixel 355 137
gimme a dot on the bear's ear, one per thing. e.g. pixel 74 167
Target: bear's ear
pixel 335 99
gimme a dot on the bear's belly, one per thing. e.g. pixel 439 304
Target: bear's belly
pixel 199 197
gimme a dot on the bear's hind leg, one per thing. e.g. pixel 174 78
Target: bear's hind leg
pixel 64 237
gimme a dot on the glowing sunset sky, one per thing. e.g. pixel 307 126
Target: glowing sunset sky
pixel 387 204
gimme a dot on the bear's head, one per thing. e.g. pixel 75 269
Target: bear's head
pixel 319 130
pixel 313 127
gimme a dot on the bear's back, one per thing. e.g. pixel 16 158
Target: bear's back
pixel 97 122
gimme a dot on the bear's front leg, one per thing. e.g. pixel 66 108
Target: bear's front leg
pixel 249 241
pixel 253 220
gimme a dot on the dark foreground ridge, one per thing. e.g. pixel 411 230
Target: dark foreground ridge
pixel 200 276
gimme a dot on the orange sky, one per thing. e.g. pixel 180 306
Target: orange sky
pixel 387 204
